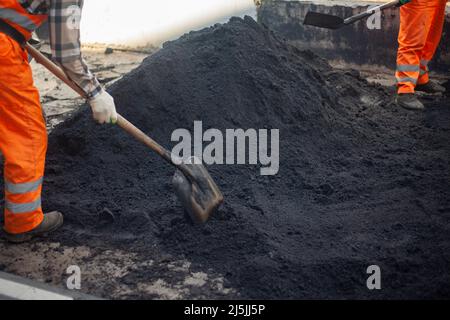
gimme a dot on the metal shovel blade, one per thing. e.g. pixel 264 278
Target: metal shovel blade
pixel 197 191
pixel 322 20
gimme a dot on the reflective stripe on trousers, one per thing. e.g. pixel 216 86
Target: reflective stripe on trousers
pixel 22 190
pixel 407 74
pixel 424 67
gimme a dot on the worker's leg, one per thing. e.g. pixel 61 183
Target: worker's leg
pixel 436 9
pixel 23 139
pixel 412 38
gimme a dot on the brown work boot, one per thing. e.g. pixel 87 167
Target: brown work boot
pixel 430 87
pixel 409 101
pixel 52 221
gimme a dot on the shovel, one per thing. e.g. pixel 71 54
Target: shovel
pixel 328 21
pixel 195 188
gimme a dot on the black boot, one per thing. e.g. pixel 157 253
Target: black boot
pixel 52 221
pixel 430 87
pixel 409 101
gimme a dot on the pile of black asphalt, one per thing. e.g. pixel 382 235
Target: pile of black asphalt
pixel 360 181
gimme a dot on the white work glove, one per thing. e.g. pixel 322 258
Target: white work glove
pixel 103 108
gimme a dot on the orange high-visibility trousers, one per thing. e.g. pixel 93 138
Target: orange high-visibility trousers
pixel 421 24
pixel 23 139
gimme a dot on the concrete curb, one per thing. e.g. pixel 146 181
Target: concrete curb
pixel 13 287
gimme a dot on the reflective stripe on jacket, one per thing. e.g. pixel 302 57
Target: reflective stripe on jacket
pixel 18 17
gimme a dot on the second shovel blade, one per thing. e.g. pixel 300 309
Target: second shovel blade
pixel 322 20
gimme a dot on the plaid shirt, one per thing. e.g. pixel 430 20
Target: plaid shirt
pixel 63 20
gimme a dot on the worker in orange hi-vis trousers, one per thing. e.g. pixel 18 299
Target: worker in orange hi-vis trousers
pixel 421 24
pixel 23 136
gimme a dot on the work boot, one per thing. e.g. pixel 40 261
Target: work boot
pixel 430 87
pixel 52 221
pixel 409 101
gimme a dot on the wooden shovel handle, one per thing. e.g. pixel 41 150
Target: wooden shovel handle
pixel 370 12
pixel 121 121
